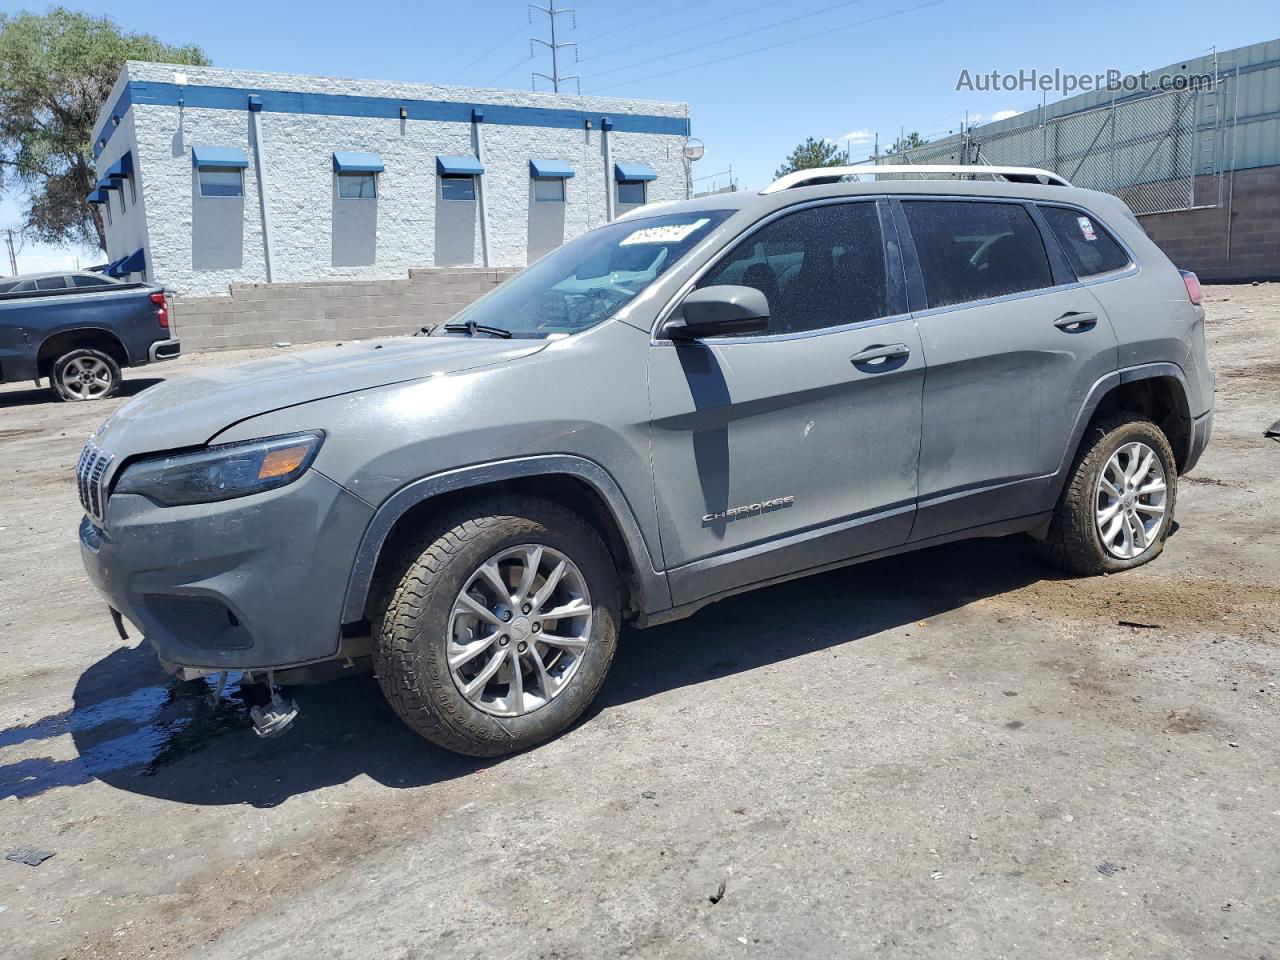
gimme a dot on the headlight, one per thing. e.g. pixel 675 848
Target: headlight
pixel 221 472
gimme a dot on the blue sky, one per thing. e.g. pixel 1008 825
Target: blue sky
pixel 855 67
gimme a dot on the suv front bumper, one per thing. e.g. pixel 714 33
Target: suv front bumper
pixel 251 583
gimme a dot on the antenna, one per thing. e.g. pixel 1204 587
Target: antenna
pixel 554 46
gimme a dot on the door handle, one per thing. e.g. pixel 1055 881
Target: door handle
pixel 1076 322
pixel 879 356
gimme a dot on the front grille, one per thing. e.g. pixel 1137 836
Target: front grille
pixel 91 471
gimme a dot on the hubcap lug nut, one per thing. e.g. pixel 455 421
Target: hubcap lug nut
pixel 537 628
pixel 526 608
pixel 522 647
pixel 503 640
pixel 506 615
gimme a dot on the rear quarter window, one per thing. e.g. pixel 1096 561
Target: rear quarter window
pixel 1088 245
pixel 970 250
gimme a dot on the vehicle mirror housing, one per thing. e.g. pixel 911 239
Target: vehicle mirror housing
pixel 723 310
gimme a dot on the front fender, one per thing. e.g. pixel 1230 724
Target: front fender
pixel 651 584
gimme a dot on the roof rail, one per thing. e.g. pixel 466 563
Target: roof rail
pixel 831 174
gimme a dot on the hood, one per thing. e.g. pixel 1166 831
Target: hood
pixel 192 409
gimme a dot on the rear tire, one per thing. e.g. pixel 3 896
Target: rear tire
pixel 84 374
pixel 1117 508
pixel 436 604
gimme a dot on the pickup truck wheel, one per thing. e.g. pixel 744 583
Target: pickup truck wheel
pixel 1117 508
pixel 85 374
pixel 496 627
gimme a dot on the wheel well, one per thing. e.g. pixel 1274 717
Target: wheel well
pixel 1160 399
pixel 568 491
pixel 69 340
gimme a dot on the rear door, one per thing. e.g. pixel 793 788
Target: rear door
pixel 1013 343
pixel 797 447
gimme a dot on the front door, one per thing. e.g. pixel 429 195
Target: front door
pixel 798 447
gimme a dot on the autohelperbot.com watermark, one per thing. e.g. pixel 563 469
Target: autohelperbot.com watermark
pixel 1064 82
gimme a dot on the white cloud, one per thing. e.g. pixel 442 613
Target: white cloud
pixel 859 136
pixel 1004 114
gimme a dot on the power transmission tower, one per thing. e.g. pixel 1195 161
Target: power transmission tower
pixel 554 45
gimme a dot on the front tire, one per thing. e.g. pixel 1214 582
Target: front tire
pixel 495 627
pixel 84 374
pixel 1117 508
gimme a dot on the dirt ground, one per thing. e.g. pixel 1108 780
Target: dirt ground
pixel 956 753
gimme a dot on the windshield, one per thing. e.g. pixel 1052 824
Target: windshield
pixel 588 279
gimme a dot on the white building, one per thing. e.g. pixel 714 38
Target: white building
pixel 210 176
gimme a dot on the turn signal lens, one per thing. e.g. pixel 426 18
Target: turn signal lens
pixel 280 463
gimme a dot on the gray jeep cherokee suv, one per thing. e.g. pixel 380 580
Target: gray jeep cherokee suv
pixel 691 401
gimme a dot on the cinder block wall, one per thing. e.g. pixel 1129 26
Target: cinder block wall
pixel 260 315
pixel 1197 239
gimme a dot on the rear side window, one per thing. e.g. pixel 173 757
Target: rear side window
pixel 973 251
pixel 81 281
pixel 819 267
pixel 51 283
pixel 1087 244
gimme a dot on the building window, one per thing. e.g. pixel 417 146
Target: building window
pixel 358 186
pixel 221 181
pixel 548 189
pixel 631 191
pixel 455 187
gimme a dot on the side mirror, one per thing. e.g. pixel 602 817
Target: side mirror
pixel 724 310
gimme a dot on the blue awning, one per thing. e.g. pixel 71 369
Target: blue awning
pixel 134 263
pixel 219 157
pixel 352 162
pixel 106 183
pixel 633 171
pixel 459 166
pixel 121 168
pixel 550 168
pixel 97 195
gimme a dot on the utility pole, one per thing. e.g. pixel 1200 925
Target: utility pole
pixel 554 45
pixel 13 257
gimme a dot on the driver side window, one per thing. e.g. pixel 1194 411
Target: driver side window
pixel 818 267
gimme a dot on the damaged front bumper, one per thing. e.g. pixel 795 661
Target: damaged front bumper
pixel 250 584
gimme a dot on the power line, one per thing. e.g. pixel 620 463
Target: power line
pixel 494 49
pixel 511 69
pixel 682 7
pixel 774 46
pixel 674 33
pixel 733 36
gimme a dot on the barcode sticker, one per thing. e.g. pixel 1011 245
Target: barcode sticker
pixel 673 233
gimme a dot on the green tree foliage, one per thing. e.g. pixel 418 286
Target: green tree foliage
pixel 909 142
pixel 56 71
pixel 812 153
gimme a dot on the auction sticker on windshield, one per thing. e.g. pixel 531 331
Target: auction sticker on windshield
pixel 672 233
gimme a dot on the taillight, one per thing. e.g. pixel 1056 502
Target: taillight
pixel 1193 286
pixel 162 308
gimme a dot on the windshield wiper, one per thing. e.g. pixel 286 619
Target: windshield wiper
pixel 471 328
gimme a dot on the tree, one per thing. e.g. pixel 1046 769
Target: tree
pixel 56 71
pixel 812 153
pixel 909 142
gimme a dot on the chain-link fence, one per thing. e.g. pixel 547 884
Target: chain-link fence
pixel 1146 151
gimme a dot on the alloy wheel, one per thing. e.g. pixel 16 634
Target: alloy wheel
pixel 86 378
pixel 519 629
pixel 1131 501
